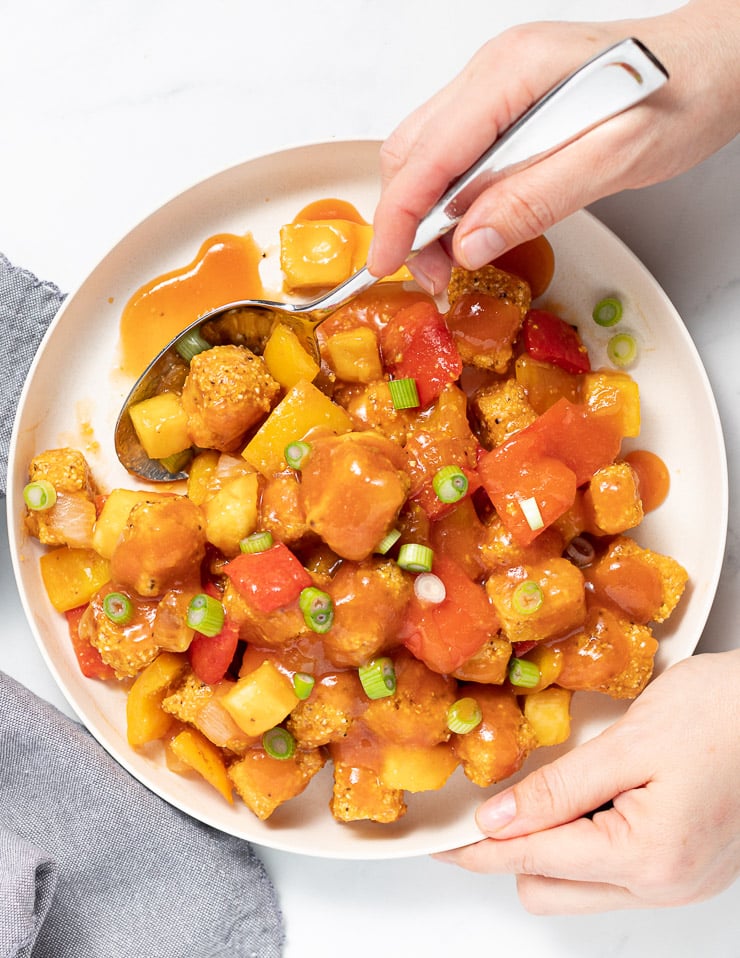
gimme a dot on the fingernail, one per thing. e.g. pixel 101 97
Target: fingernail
pixel 480 247
pixel 426 282
pixel 497 812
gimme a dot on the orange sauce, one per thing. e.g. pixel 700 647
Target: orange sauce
pixel 329 209
pixel 225 269
pixel 654 478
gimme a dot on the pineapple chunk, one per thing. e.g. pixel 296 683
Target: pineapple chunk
pixel 161 425
pixel 548 713
pixel 231 514
pixel 73 576
pixel 417 768
pixel 613 394
pixel 261 699
pixel 114 516
pixel 286 358
pixel 354 355
pixel 316 253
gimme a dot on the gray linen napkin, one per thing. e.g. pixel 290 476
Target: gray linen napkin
pixel 92 864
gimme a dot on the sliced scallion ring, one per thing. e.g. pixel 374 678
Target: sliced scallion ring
pixel 192 344
pixel 622 349
pixel 523 674
pixel 428 587
pixel 205 614
pixel 404 393
pixel 387 542
pixel 317 608
pixel 378 677
pixel 118 608
pixel 39 495
pixel 296 453
pixel 450 484
pixel 278 743
pixel 303 684
pixel 415 557
pixel 607 312
pixel 464 715
pixel 256 542
pixel 532 513
pixel 527 597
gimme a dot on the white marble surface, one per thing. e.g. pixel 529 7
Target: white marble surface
pixel 110 109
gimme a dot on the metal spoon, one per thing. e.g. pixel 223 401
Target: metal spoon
pixel 608 84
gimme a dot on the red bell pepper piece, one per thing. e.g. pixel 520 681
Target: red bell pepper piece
pixel 550 339
pixel 416 343
pixel 211 655
pixel 268 580
pixel 546 462
pixel 445 635
pixel 89 659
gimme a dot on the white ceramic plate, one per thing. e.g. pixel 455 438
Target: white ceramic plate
pixel 74 385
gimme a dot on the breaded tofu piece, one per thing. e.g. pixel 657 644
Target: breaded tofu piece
pixel 486 341
pixel 228 390
pixel 327 714
pixel 673 577
pixel 417 711
pixel 500 551
pixel 271 629
pixel 188 698
pixel 264 783
pixel 281 510
pixel 489 665
pixel 497 747
pixel 195 703
pixel 370 406
pixel 609 655
pixel 126 649
pixel 612 499
pixel 370 599
pixel 162 546
pixel 359 795
pixel 71 520
pixel 500 410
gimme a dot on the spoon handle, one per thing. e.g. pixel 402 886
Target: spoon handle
pixel 608 84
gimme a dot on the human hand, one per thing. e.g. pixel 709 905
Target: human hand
pixel 671 767
pixel 694 114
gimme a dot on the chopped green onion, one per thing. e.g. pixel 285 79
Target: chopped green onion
pixel 607 312
pixel 450 484
pixel 39 495
pixel 303 684
pixel 464 715
pixel 278 743
pixel 118 608
pixel 205 614
pixel 317 608
pixel 256 542
pixel 527 598
pixel 387 542
pixel 532 513
pixel 192 344
pixel 296 453
pixel 523 673
pixel 177 462
pixel 428 587
pixel 622 349
pixel 404 393
pixel 378 677
pixel 415 557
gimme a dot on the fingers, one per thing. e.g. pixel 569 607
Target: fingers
pixel 555 896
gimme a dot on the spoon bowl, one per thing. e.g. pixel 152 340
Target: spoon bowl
pixel 606 85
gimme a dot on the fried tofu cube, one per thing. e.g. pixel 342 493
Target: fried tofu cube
pixel 264 783
pixel 612 500
pixel 228 390
pixel 359 795
pixel 489 665
pixel 327 714
pixel 539 601
pixel 497 747
pixel 71 520
pixel 501 410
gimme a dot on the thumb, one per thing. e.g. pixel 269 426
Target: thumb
pixel 573 785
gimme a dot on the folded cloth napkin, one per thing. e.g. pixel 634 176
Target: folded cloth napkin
pixel 92 864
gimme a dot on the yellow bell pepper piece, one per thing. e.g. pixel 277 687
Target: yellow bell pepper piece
pixel 303 408
pixel 201 473
pixel 196 751
pixel 73 576
pixel 146 720
pixel 608 393
pixel 287 360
